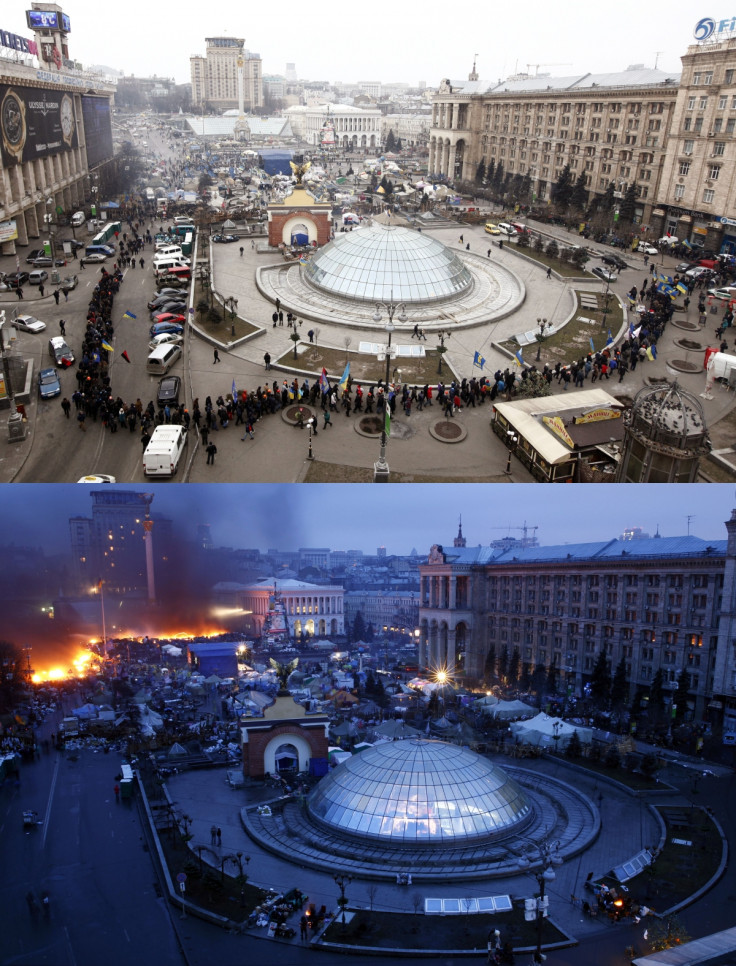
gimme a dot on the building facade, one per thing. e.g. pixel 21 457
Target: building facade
pixel 670 135
pixel 215 76
pixel 55 130
pixel 355 128
pixel 309 609
pixel 397 609
pixel 656 603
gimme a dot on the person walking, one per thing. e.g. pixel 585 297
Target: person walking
pixel 56 296
pixel 19 293
pixel 219 836
pixel 62 326
pixel 211 451
pixel 267 360
pixel 80 420
pixel 327 418
pixel 216 358
pixel 303 927
pixel 41 290
pixel 66 406
pixel 213 835
pixel 241 251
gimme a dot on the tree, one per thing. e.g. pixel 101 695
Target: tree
pixel 491 172
pixel 553 249
pixel 358 627
pixel 489 670
pixel 656 693
pixel 498 177
pixel 665 933
pixel 399 145
pixel 620 686
pixel 525 192
pixel 11 679
pixel 579 196
pixel 680 696
pixel 539 678
pixel 627 208
pixel 480 172
pixel 390 141
pixel 607 199
pixel 503 664
pixel 563 188
pixel 574 747
pixel 514 665
pixel 370 632
pixel 600 681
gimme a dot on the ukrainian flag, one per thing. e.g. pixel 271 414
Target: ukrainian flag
pixel 518 357
pixel 106 345
pixel 682 289
pixel 129 315
pixel 345 377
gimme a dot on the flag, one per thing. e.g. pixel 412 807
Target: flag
pixel 478 360
pixel 345 377
pixel 387 420
pixel 106 345
pixel 682 289
pixel 592 344
pixel 635 333
pixel 323 384
pixel 651 353
pixel 235 392
pixel 631 328
pixel 609 340
pixel 129 315
pixel 125 356
pixel 518 357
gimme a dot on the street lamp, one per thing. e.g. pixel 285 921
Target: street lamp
pixel 231 303
pixel 386 351
pixel 310 425
pixel 342 880
pixel 512 441
pixel 547 859
pixel 49 221
pixel 441 348
pixel 542 323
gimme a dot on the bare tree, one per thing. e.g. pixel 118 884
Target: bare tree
pixel 416 901
pixel 348 340
pixel 316 336
pixel 372 891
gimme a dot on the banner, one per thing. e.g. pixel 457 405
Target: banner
pixel 34 123
pixel 8 231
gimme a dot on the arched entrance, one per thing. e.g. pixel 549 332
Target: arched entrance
pixel 286 752
pixel 300 234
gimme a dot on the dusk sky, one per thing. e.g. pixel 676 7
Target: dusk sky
pixel 364 517
pixel 405 42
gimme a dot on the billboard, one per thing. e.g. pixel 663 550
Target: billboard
pixel 35 122
pixel 97 129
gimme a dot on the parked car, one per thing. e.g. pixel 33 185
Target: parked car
pixel 158 328
pixel 700 271
pixel 168 391
pixel 46 261
pixel 685 267
pixel 48 383
pixel 615 260
pixel 16 279
pixel 76 245
pixel 69 283
pixel 165 339
pixel 38 276
pixel 727 294
pixel 646 249
pixel 97 478
pixel 174 317
pixel 605 273
pixel 33 254
pixel 492 228
pixel 27 323
pixel 224 238
pixel 60 351
pixel 93 259
pixel 170 290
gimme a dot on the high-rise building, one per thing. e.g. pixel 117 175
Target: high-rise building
pixel 215 76
pixel 110 545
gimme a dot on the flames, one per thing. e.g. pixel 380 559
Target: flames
pixel 81 665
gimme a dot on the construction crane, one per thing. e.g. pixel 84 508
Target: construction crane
pixel 524 529
pixel 537 66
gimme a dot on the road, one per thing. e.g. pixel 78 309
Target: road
pixel 88 852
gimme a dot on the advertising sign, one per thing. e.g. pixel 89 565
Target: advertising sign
pixel 34 123
pixel 8 231
pixel 97 129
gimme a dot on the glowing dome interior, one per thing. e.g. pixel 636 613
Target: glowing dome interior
pixel 378 263
pixel 419 792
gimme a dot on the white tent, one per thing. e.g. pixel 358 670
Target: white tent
pixel 510 710
pixel 544 731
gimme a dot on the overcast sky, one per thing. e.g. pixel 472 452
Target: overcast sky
pixel 400 517
pixel 407 42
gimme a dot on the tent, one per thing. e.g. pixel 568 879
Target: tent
pixel 510 710
pixel 544 731
pixel 177 750
pixel 487 701
pixel 85 712
pixel 395 730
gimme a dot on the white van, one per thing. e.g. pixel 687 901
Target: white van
pixel 78 219
pixel 166 264
pixel 162 358
pixel 164 451
pixel 507 228
pixel 167 250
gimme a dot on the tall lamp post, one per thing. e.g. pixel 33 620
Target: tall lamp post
pixel 49 221
pixel 342 880
pixel 441 348
pixel 547 860
pixel 380 467
pixel 231 303
pixel 542 323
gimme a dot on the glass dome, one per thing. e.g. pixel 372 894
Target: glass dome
pixel 419 792
pixel 384 262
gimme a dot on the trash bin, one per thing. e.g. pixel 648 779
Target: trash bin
pixel 16 428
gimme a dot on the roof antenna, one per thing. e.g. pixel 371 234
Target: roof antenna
pixel 656 535
pixel 690 516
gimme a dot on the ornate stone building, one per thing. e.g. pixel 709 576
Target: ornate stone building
pixel 657 603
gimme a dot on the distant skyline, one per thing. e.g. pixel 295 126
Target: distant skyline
pixel 403 43
pixel 366 516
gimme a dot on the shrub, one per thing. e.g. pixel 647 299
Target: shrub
pixel 553 249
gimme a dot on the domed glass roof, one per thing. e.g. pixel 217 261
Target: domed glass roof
pixel 419 792
pixel 383 262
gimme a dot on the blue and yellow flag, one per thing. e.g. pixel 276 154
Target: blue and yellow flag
pixel 345 377
pixel 518 357
pixel 592 344
pixel 106 345
pixel 478 360
pixel 129 315
pixel 681 288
